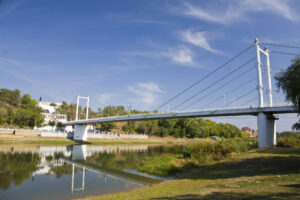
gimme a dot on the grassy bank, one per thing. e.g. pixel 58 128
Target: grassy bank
pixel 256 174
pixel 193 155
pixel 15 139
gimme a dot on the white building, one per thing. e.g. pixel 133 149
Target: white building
pixel 49 106
pixel 51 115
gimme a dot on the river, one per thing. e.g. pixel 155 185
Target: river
pixel 66 172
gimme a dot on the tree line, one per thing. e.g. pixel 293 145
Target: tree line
pixel 23 111
pixel 19 110
pixel 185 127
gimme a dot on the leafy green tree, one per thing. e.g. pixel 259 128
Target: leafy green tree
pixel 130 127
pixel 11 97
pixel 289 82
pixel 53 104
pixel 51 123
pixel 108 126
pixel 21 111
pixel 69 110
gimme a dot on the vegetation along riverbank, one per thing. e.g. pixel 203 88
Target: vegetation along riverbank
pixel 228 169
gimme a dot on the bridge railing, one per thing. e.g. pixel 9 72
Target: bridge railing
pixel 235 107
pixel 198 110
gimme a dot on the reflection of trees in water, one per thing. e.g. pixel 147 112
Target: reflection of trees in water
pixel 65 169
pixel 59 170
pixel 15 168
pixel 129 160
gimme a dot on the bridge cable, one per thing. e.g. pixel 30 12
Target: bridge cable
pixel 241 96
pixel 249 101
pixel 280 45
pixel 205 77
pixel 222 78
pixel 286 53
pixel 233 90
pixel 222 86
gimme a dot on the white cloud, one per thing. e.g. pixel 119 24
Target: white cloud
pixel 280 7
pixel 20 77
pixel 237 10
pixel 181 55
pixel 106 98
pixel 147 92
pixel 211 15
pixel 198 39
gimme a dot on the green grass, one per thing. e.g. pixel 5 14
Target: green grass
pixel 257 174
pixel 163 165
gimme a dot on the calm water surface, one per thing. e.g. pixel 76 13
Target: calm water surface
pixel 66 172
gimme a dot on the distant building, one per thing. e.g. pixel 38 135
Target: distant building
pixel 54 117
pixel 50 115
pixel 251 132
pixel 49 106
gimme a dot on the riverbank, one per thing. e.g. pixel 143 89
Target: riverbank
pixel 16 139
pixel 257 174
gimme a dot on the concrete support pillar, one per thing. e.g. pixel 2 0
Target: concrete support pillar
pixel 80 132
pixel 266 126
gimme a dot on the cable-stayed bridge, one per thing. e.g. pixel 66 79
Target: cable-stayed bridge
pixel 218 112
pixel 264 111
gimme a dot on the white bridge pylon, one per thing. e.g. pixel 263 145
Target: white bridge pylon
pixel 266 123
pixel 80 132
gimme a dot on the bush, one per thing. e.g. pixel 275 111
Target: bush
pixel 200 151
pixel 163 165
pixel 288 142
pixel 204 152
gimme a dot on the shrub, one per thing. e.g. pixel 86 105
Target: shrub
pixel 163 165
pixel 203 152
pixel 288 142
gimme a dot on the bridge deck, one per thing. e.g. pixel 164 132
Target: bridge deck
pixel 190 114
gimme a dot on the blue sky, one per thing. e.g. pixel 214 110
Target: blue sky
pixel 139 53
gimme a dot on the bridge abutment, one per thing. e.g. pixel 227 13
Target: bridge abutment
pixel 80 132
pixel 266 125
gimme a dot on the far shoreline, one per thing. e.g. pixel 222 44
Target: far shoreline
pixel 16 139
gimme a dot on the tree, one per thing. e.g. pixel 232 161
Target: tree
pixel 108 126
pixel 11 97
pixel 289 82
pixel 52 123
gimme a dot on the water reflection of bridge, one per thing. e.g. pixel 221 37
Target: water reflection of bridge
pixel 80 152
pixel 115 175
pixel 67 150
pixel 76 156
